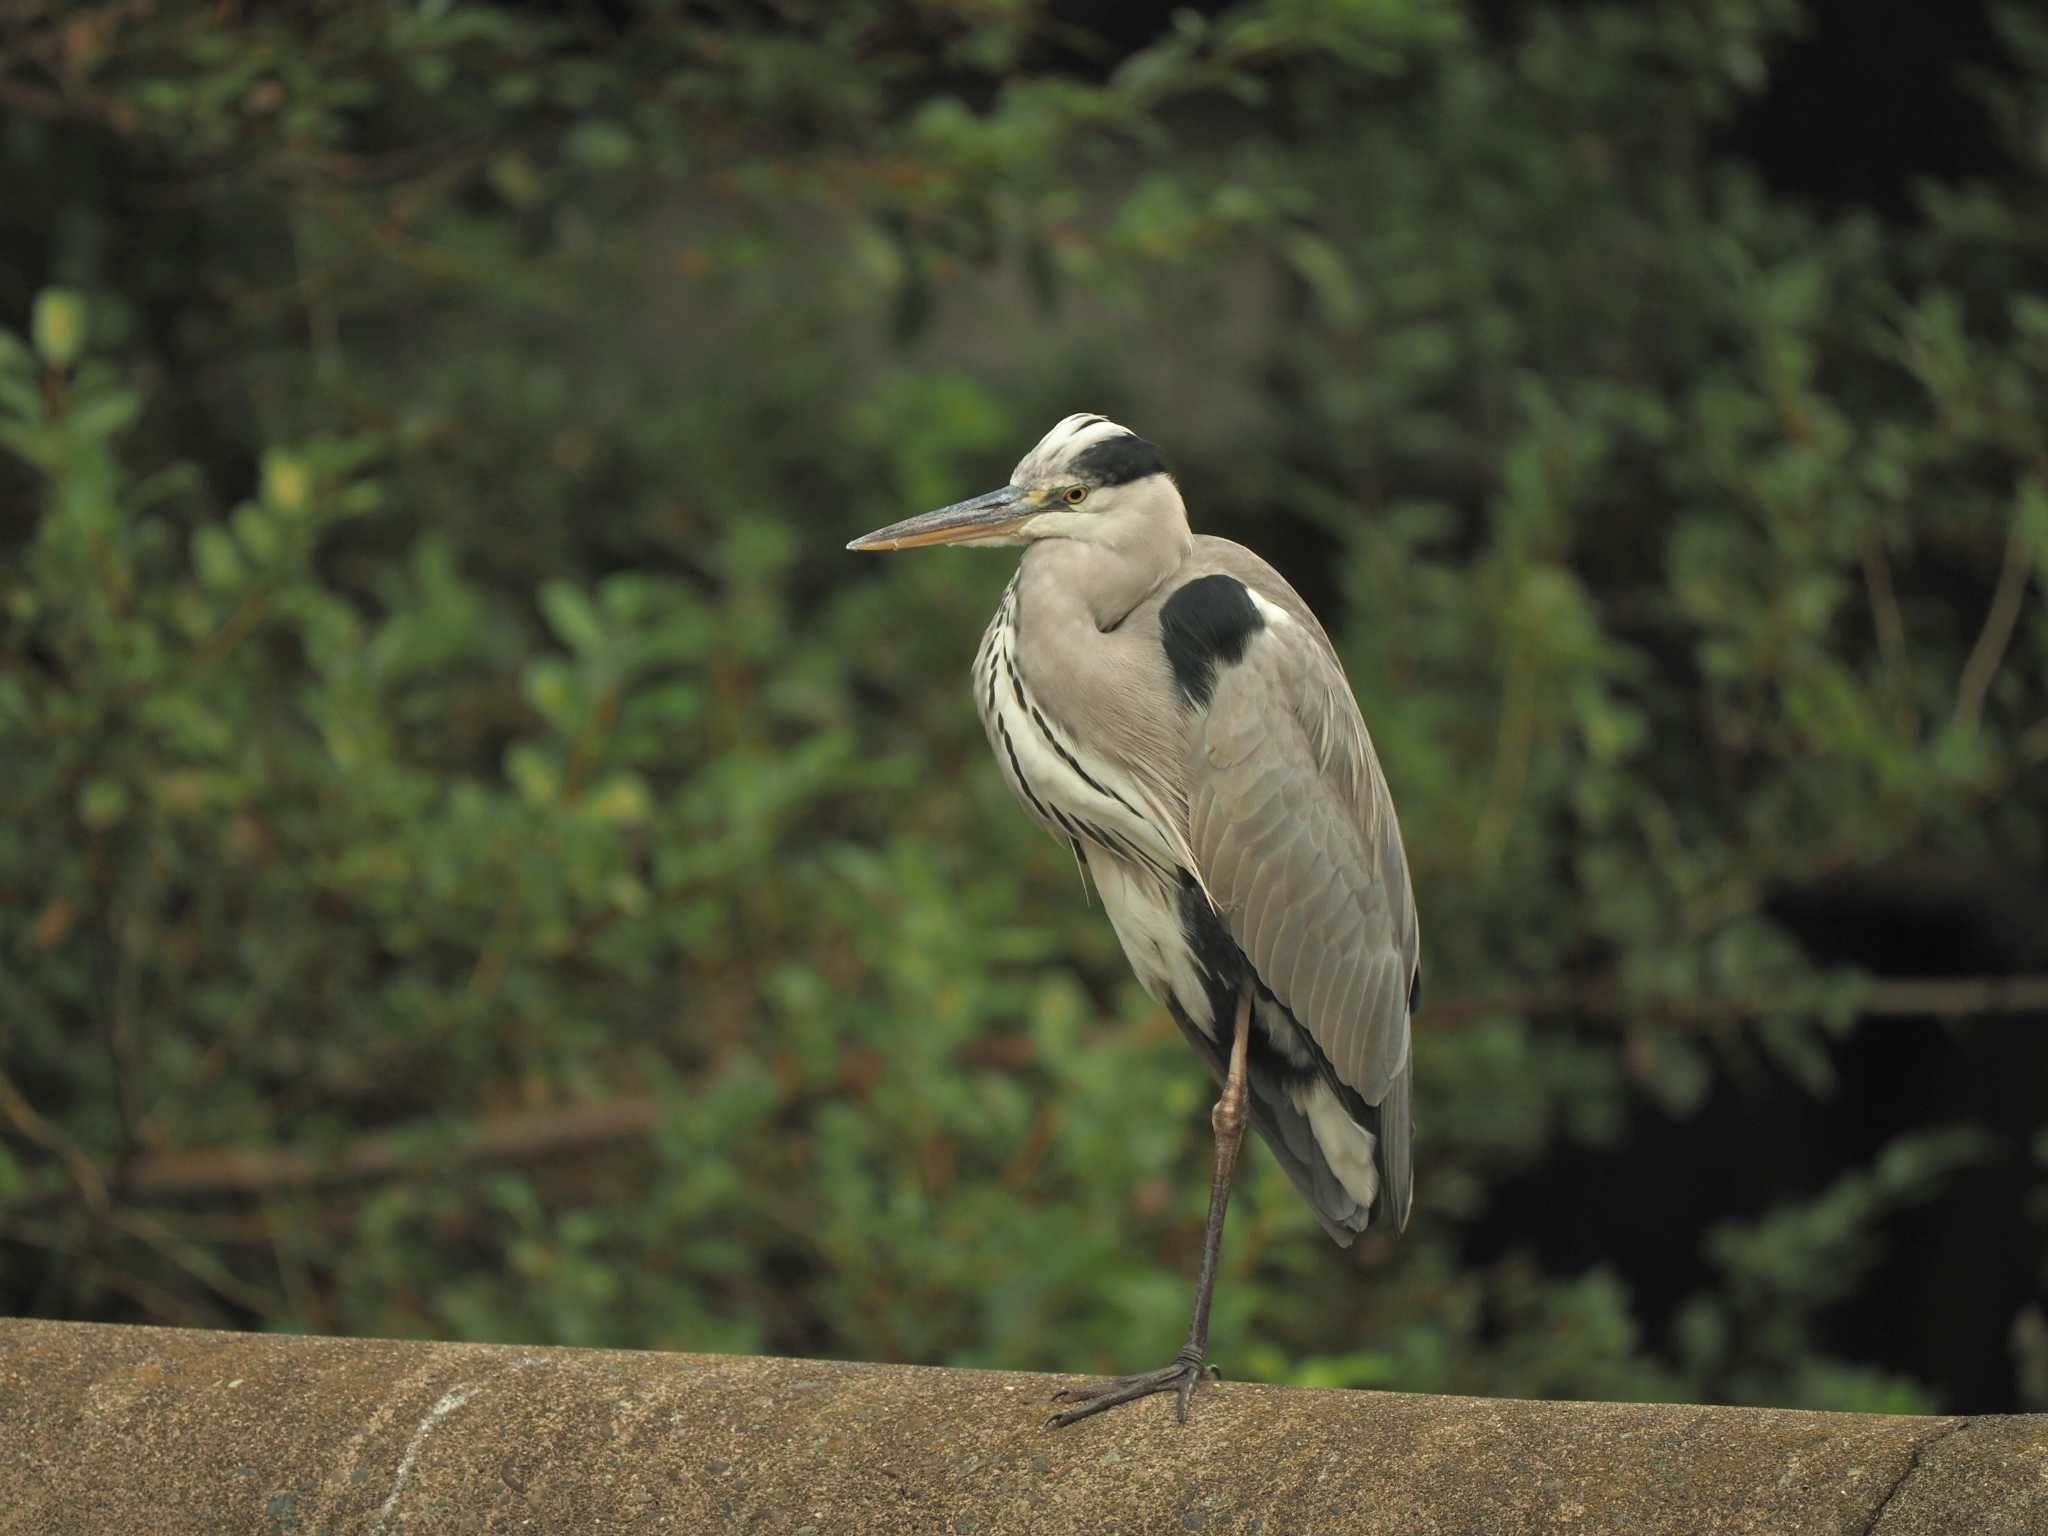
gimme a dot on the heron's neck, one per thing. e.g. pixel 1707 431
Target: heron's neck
pixel 1108 580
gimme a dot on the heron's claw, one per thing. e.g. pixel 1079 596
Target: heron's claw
pixel 1180 1378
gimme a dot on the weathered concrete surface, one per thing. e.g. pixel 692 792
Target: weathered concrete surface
pixel 162 1431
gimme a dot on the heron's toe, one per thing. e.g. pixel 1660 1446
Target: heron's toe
pixel 1180 1378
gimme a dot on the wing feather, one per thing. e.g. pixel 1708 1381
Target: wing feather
pixel 1295 837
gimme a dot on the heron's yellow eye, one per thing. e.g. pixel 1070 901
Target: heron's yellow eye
pixel 1076 494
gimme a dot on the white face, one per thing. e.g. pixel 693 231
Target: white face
pixel 1095 480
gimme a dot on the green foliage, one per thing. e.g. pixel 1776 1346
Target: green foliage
pixel 435 699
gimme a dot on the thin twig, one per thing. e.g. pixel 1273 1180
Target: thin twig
pixel 261 1172
pixel 195 1262
pixel 156 1301
pixel 1890 624
pixel 300 1291
pixel 124 1014
pixel 1916 997
pixel 40 101
pixel 1510 764
pixel 512 1138
pixel 2032 745
pixel 1956 997
pixel 159 1301
pixel 37 100
pixel 85 1173
pixel 2003 614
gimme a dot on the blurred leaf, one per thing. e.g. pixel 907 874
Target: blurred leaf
pixel 58 326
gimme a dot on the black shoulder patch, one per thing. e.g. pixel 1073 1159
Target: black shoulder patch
pixel 1209 620
pixel 1119 460
pixel 1415 991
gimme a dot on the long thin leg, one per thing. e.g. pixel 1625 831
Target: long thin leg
pixel 1226 1123
pixel 1190 1366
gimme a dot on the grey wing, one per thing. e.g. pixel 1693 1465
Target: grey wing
pixel 1295 837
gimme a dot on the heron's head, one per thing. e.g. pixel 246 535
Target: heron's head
pixel 1088 479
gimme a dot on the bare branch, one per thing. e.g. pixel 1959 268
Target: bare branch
pixel 2032 746
pixel 269 1170
pixel 85 1173
pixel 1890 624
pixel 1903 997
pixel 2004 613
pixel 262 1172
pixel 1958 997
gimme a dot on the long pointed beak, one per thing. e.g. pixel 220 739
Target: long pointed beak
pixel 990 516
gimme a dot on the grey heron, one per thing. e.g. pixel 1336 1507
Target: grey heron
pixel 1164 702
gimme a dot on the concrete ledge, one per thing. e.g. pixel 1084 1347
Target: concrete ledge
pixel 163 1431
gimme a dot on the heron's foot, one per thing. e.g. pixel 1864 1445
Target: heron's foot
pixel 1187 1372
